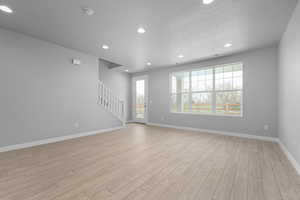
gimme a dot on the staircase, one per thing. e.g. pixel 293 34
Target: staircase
pixel 111 102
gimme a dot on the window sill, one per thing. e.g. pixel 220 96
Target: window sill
pixel 207 114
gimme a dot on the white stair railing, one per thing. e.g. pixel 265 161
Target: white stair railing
pixel 111 102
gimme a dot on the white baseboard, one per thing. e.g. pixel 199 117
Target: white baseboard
pixel 272 139
pixel 55 139
pixel 67 137
pixel 289 156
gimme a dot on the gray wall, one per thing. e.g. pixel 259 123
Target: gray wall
pixel 260 96
pixel 119 82
pixel 43 95
pixel 289 82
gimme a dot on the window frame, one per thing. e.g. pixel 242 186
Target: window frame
pixel 213 91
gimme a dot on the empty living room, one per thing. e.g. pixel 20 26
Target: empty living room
pixel 149 100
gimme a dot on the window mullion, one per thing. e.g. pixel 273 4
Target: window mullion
pixel 232 102
pixel 214 92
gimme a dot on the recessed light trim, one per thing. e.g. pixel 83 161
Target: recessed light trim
pixel 104 46
pixel 206 2
pixel 227 45
pixel 180 56
pixel 126 70
pixel 141 30
pixel 6 9
pixel 149 63
pixel 88 11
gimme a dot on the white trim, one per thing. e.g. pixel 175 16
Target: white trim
pixel 56 139
pixel 213 92
pixel 196 66
pixel 206 114
pixel 146 79
pixel 291 158
pixel 272 139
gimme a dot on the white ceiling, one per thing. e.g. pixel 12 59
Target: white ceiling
pixel 173 27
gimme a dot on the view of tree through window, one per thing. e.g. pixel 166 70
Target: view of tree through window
pixel 211 90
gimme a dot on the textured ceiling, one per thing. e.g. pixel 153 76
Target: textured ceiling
pixel 173 27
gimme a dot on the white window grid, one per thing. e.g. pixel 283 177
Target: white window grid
pixel 213 91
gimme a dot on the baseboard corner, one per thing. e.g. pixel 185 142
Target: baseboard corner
pixel 290 157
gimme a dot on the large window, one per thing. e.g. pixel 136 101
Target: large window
pixel 211 90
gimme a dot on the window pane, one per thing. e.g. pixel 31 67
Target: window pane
pixel 219 84
pixel 237 77
pixel 219 78
pixel 219 73
pixel 202 80
pixel 227 84
pixel 180 102
pixel 229 77
pixel 228 103
pixel 140 99
pixel 237 83
pixel 202 102
pixel 180 82
pixel 174 84
pixel 237 67
pixel 227 71
pixel 215 89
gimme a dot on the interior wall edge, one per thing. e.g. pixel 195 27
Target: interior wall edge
pixel 291 158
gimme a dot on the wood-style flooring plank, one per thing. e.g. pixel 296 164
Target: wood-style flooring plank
pixel 149 163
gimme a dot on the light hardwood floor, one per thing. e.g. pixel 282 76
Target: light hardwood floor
pixel 144 162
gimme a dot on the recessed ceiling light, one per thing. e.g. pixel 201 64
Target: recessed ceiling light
pixel 149 63
pixel 206 2
pixel 180 56
pixel 126 70
pixel 141 30
pixel 88 11
pixel 227 45
pixel 105 47
pixel 6 9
